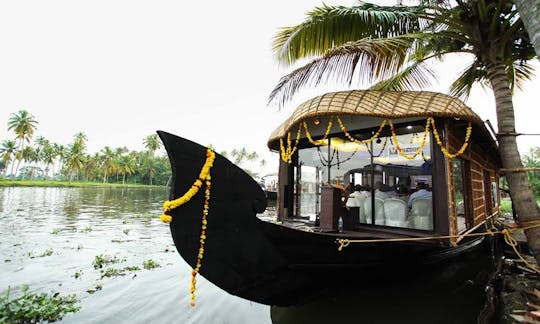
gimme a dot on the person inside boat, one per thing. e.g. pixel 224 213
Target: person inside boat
pixel 380 191
pixel 403 192
pixel 423 191
pixel 357 197
pixel 344 193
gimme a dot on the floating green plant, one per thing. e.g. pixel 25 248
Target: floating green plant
pixel 150 264
pixel 97 287
pixel 78 274
pixel 33 307
pixel 101 260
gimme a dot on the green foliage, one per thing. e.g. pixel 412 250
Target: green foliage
pixel 34 307
pixel 102 260
pixel 532 160
pixel 97 287
pixel 506 205
pixel 114 272
pixel 111 272
pixel 150 264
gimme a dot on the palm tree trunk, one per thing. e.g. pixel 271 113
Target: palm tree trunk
pixel 523 197
pixel 529 11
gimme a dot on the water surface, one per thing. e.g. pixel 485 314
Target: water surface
pixel 51 236
pixel 78 224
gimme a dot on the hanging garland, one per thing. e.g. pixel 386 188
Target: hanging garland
pixel 352 139
pixel 443 149
pixel 328 128
pixel 398 147
pixel 204 177
pixel 287 153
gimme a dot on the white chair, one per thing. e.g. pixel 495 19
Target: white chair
pixel 379 211
pixel 395 212
pixel 358 202
pixel 422 214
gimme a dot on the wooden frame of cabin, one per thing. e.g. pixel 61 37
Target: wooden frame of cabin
pixel 476 168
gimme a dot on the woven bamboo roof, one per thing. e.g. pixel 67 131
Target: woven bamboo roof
pixel 374 103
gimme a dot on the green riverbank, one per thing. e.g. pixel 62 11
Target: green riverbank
pixel 59 183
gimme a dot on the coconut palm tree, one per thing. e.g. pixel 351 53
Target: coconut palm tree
pixel 152 143
pixel 47 157
pixel 529 11
pixel 8 149
pixel 108 164
pixel 393 46
pixel 80 139
pixel 75 161
pixel 24 126
pixel 126 165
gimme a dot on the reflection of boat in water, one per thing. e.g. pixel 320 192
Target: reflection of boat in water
pixel 380 144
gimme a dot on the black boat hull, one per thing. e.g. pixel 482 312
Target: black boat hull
pixel 270 263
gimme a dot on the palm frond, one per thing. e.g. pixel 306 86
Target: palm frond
pixel 416 76
pixel 327 27
pixel 367 59
pixel 462 86
pixel 522 71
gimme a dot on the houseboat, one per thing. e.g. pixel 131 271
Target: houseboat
pixel 374 188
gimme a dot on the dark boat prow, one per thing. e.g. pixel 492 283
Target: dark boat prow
pixel 236 251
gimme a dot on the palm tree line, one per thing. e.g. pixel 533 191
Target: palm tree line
pixel 26 157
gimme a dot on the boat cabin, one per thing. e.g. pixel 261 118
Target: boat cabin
pixel 411 163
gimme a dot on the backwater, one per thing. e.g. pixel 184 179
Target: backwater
pixel 50 239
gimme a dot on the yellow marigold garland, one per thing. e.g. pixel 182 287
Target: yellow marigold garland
pixel 352 139
pixel 286 154
pixel 204 176
pixel 398 147
pixel 328 128
pixel 202 240
pixel 443 149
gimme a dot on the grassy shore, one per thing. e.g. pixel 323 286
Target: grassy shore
pixel 58 183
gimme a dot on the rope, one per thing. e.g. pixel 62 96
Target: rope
pixel 510 240
pixel 506 170
pixel 507 232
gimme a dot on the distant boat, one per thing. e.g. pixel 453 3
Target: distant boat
pixel 376 141
pixel 269 186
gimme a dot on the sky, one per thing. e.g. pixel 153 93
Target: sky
pixel 118 70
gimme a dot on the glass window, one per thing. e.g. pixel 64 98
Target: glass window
pixel 459 194
pixel 389 172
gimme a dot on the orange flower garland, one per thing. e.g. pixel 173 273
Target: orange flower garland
pixel 286 154
pixel 443 149
pixel 202 240
pixel 398 147
pixel 328 128
pixel 352 139
pixel 170 205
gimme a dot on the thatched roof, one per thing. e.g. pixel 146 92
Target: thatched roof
pixel 385 104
